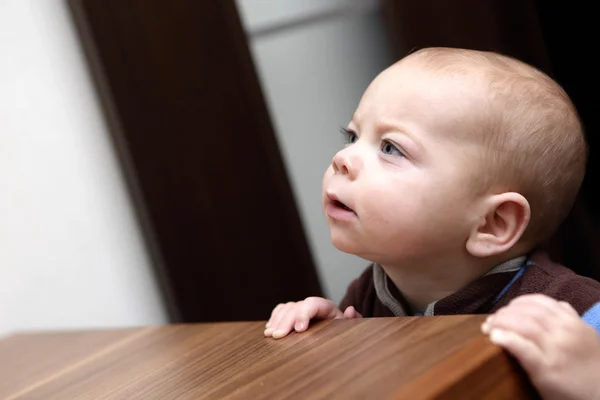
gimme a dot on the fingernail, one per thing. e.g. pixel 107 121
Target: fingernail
pixel 488 319
pixel 497 336
pixel 485 328
pixel 299 326
pixel 277 334
pixel 268 331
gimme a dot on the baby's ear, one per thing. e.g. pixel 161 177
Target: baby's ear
pixel 504 220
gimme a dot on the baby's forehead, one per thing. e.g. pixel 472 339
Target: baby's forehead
pixel 433 107
pixel 453 86
pixel 405 89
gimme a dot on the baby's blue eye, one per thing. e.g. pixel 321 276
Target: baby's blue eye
pixel 389 149
pixel 349 136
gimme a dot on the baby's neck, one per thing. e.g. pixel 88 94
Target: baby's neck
pixel 422 284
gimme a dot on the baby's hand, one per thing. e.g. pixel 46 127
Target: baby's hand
pixel 297 316
pixel 559 352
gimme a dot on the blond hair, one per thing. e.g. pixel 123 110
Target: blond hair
pixel 534 140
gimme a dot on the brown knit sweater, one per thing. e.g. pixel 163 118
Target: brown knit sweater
pixel 373 294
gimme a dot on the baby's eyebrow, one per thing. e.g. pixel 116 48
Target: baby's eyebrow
pixel 402 130
pixel 354 122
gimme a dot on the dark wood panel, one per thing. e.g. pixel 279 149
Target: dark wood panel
pixel 510 27
pixel 440 357
pixel 569 28
pixel 186 108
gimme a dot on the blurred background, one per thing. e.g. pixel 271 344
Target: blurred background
pixel 162 161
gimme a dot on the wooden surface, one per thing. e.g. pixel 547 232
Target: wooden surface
pixel 412 358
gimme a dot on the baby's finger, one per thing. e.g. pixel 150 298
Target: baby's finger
pixel 318 307
pixel 313 307
pixel 306 312
pixel 286 324
pixel 351 313
pixel 277 308
pixel 277 317
pixel 526 352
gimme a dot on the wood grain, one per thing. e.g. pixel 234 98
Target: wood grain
pixel 369 358
pixel 490 373
pixel 33 358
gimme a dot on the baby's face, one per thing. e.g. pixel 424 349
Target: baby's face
pixel 400 190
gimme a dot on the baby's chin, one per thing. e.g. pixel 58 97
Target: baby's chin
pixel 342 242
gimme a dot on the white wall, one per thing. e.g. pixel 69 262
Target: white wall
pixel 71 253
pixel 313 75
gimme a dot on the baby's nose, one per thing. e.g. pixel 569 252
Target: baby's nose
pixel 346 162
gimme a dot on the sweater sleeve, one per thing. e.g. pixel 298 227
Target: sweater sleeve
pixel 358 291
pixel 592 317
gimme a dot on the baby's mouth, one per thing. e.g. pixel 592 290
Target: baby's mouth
pixel 336 210
pixel 341 205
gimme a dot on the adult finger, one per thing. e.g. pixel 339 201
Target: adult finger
pixel 526 352
pixel 521 320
